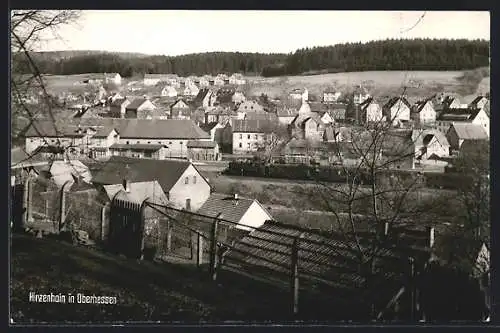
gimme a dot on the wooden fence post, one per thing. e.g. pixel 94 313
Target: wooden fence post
pixel 62 207
pixel 142 226
pixel 103 220
pixel 412 289
pixel 26 203
pixel 199 252
pixel 213 249
pixel 169 236
pixel 294 277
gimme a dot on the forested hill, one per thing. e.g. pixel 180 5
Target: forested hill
pixel 416 54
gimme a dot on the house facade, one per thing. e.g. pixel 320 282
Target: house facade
pixel 245 213
pixel 249 106
pixel 180 110
pixel 423 113
pixel 463 115
pixel 114 78
pixel 139 108
pixel 169 91
pixel 397 110
pixel 191 90
pixel 330 96
pixel 248 135
pixel 460 132
pixel 118 106
pixel 371 112
pixel 203 151
pixel 182 183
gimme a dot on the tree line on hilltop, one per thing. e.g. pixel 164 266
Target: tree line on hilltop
pixel 416 54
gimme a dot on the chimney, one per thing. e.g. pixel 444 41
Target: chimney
pixel 126 185
pixel 430 233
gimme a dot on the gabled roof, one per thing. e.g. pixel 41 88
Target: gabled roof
pixel 459 114
pixel 419 106
pixel 118 102
pixel 201 144
pixel 421 137
pixel 231 209
pixel 138 192
pixel 469 131
pixel 118 168
pixel 250 125
pixel 103 131
pixel 477 100
pixel 208 127
pixel 394 100
pixel 136 103
pixel 162 129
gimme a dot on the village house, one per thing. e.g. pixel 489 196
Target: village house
pixel 238 97
pixel 172 134
pixel 330 96
pixel 219 114
pixel 397 111
pixel 191 90
pixel 299 94
pixel 246 214
pixel 139 150
pixel 359 95
pixel 371 112
pixel 463 115
pixel 204 81
pixel 423 113
pixel 249 135
pixel 203 151
pixel 479 102
pixel 58 136
pixel 451 102
pixel 113 78
pixel 219 81
pixel 118 107
pixel 180 110
pixel 286 115
pixel 184 186
pixel 191 81
pixel 154 79
pixel 237 79
pixel 213 129
pixel 250 106
pixel 460 132
pixel 101 141
pixel 139 108
pixel 224 96
pixel 168 91
pixel 133 193
pixel 429 143
pixel 307 124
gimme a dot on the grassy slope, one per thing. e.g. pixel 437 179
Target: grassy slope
pixel 145 291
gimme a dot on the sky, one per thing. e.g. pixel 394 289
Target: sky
pixel 169 32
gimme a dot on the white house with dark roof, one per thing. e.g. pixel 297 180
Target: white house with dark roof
pixel 479 102
pixel 463 115
pixel 245 214
pixel 114 78
pixel 397 110
pixel 184 186
pixel 169 91
pixel 423 113
pixel 249 135
pixel 460 132
pixel 371 111
pixel 139 108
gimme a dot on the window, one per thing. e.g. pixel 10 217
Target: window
pixel 180 142
pixel 248 136
pixel 241 136
pixel 138 142
pixel 186 180
pixel 170 142
pixel 248 145
pixel 240 145
pixel 188 204
pixel 159 142
pixel 256 136
pixel 149 142
pixel 194 179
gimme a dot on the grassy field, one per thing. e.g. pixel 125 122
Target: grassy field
pixel 145 291
pixel 418 83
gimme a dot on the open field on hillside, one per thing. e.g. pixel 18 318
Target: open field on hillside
pixel 418 83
